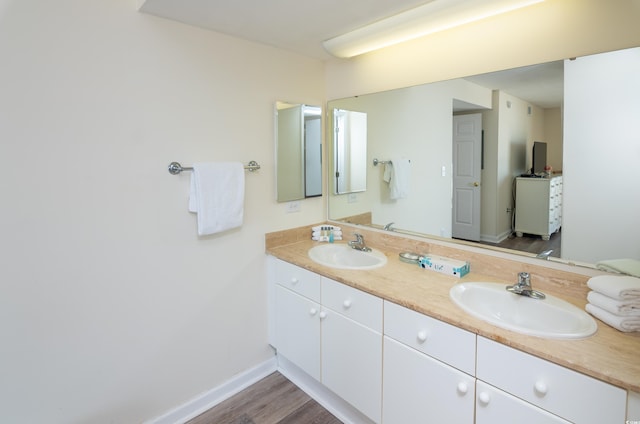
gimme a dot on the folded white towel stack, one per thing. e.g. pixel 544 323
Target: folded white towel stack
pixel 217 196
pixel 615 300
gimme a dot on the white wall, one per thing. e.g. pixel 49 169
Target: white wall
pixel 601 202
pixel 111 308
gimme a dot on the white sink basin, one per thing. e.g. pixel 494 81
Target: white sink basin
pixel 344 257
pixel 548 318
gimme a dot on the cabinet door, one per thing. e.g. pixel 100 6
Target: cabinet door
pixel 352 363
pixel 298 330
pixel 420 389
pixel 497 407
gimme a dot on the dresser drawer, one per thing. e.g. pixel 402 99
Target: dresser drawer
pixel 569 394
pixel 437 339
pixel 299 280
pixel 352 303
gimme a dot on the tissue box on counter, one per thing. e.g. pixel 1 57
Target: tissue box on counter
pixel 444 265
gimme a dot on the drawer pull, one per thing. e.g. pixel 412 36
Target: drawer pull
pixel 346 304
pixel 541 388
pixel 463 388
pixel 294 280
pixel 313 311
pixel 484 398
pixel 323 315
pixel 422 336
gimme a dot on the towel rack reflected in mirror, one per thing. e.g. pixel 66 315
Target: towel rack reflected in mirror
pixel 382 162
pixel 175 168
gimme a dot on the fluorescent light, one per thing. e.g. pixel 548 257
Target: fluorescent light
pixel 434 16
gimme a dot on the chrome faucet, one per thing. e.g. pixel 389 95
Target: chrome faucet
pixel 358 243
pixel 388 226
pixel 545 254
pixel 523 287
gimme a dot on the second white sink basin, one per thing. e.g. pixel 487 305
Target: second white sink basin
pixel 344 257
pixel 548 318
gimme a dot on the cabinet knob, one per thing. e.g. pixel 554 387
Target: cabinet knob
pixel 323 315
pixel 313 311
pixel 541 388
pixel 463 388
pixel 346 304
pixel 484 398
pixel 422 336
pixel 294 280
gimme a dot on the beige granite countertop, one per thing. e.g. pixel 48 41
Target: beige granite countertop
pixel 609 355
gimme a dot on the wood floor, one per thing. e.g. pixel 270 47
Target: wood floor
pixel 532 243
pixel 272 400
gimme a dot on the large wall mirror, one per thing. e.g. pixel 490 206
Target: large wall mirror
pixel 298 151
pixel 584 110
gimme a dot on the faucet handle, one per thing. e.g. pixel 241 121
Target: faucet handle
pixel 524 279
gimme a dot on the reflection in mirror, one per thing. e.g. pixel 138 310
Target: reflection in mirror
pixel 349 151
pixel 417 122
pixel 298 151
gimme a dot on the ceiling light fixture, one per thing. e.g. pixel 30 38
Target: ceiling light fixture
pixel 437 15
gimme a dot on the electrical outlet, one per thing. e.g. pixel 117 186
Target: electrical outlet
pixel 352 198
pixel 291 207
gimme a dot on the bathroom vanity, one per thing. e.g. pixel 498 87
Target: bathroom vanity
pixel 391 344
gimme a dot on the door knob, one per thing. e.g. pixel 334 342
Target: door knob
pixel 476 184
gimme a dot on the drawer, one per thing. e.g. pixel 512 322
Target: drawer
pixel 299 280
pixel 561 391
pixel 437 339
pixel 496 406
pixel 352 303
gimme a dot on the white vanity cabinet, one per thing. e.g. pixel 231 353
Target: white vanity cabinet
pixel 333 333
pixel 395 365
pixel 568 394
pixel 352 346
pixel 297 316
pixel 423 359
pixel 538 206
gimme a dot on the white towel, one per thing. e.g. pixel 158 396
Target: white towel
pixel 622 266
pixel 217 196
pixel 626 324
pixel 627 308
pixel 397 174
pixel 615 286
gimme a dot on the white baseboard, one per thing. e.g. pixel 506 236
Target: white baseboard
pixel 325 397
pixel 495 239
pixel 211 398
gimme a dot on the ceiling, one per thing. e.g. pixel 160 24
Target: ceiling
pixel 301 26
pixel 297 25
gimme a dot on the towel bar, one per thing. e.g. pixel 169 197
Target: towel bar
pixel 382 162
pixel 175 168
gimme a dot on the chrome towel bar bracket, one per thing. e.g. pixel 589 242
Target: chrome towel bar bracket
pixel 175 168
